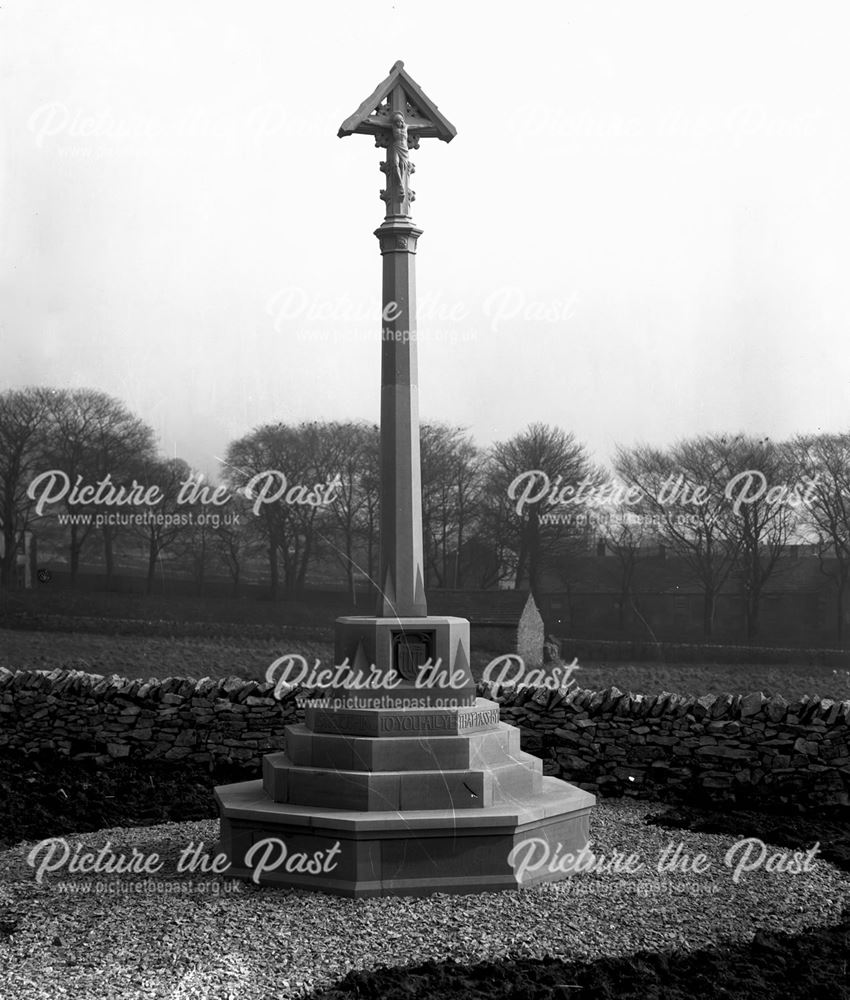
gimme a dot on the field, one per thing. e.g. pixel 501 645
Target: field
pixel 137 656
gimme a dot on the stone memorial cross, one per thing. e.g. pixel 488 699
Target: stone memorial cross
pixel 398 114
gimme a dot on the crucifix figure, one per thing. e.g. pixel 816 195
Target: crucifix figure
pixel 401 156
pixel 398 114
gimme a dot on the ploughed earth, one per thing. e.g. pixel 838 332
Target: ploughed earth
pixel 48 796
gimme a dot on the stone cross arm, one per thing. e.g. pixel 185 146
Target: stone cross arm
pixel 399 93
pixel 398 114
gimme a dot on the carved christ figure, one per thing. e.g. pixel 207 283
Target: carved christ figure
pixel 401 154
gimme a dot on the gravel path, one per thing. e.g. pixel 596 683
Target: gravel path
pixel 213 938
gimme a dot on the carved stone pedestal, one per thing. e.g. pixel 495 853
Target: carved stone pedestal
pixel 387 657
pixel 408 790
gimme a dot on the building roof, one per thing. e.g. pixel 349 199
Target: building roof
pixel 481 607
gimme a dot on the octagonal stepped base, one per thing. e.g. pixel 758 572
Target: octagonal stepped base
pixel 283 781
pixel 375 801
pixel 399 852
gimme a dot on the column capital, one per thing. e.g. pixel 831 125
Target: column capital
pixel 398 236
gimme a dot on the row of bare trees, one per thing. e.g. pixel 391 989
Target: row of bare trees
pixel 757 497
pixel 472 535
pixel 92 438
pixel 727 506
pixel 86 434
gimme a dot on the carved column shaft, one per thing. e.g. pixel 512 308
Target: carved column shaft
pixel 402 565
pixel 397 114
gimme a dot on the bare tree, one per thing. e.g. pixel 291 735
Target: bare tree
pixel 170 520
pixel 713 501
pixel 369 517
pixel 468 476
pixel 233 541
pixel 347 459
pixel 246 459
pixel 823 461
pixel 682 495
pixel 92 436
pixel 451 486
pixel 526 469
pixel 288 472
pixel 492 551
pixel 23 426
pixel 317 452
pixel 760 521
pixel 196 543
pixel 626 535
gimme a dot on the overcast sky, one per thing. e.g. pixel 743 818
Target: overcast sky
pixel 639 233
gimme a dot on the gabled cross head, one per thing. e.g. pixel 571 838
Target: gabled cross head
pixel 398 114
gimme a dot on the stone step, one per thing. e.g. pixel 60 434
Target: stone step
pixel 517 779
pixel 370 791
pixel 480 717
pixel 401 753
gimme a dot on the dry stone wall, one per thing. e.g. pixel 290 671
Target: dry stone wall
pixel 75 713
pixel 746 748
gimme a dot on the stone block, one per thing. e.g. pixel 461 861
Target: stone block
pixel 369 645
pixel 727 728
pixel 719 781
pixel 518 779
pixel 401 753
pixel 482 716
pixel 276 768
pixel 751 704
pixel 347 790
pixel 722 706
pixel 730 753
pixel 446 790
